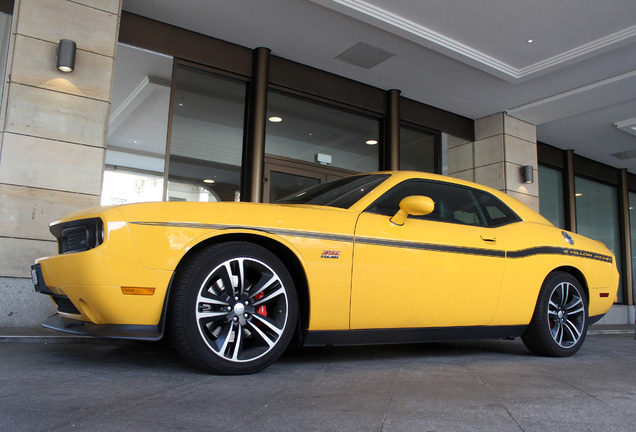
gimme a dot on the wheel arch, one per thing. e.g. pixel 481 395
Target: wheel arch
pixel 283 252
pixel 576 274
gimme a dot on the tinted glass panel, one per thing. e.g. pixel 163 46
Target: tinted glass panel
pixel 453 204
pixel 597 215
pixel 551 202
pixel 418 150
pixel 495 211
pixel 342 193
pixel 314 132
pixel 138 127
pixel 283 184
pixel 206 144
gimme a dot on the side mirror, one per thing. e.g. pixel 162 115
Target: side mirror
pixel 415 205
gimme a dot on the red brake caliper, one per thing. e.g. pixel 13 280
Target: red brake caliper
pixel 262 310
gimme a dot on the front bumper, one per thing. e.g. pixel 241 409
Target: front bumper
pixel 111 331
pixel 78 327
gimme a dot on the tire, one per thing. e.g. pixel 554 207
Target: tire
pixel 233 309
pixel 559 323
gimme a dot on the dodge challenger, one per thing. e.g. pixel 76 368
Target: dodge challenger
pixel 387 257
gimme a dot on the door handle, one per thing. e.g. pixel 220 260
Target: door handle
pixel 490 238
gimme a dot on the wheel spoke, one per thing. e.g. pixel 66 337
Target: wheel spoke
pixel 241 277
pixel 269 296
pixel 269 324
pixel 270 342
pixel 575 306
pixel 263 284
pixel 237 342
pixel 225 340
pixel 206 315
pixel 572 330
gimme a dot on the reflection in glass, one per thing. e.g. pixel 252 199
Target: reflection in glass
pixel 418 150
pixel 283 184
pixel 551 203
pixel 597 216
pixel 307 129
pixel 137 130
pixel 206 142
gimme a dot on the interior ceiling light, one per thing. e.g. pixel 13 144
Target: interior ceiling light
pixel 275 119
pixel 209 181
pixel 371 142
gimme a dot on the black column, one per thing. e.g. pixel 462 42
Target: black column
pixel 254 148
pixel 569 192
pixel 626 238
pixel 391 146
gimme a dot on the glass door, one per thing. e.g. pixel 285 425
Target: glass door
pixel 284 176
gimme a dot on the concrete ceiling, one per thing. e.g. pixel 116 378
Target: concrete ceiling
pixel 568 66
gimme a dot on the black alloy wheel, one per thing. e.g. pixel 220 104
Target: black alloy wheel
pixel 559 323
pixel 233 308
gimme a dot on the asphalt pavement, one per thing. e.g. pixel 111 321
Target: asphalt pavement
pixel 53 383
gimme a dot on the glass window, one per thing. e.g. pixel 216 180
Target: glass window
pixel 206 142
pixel 551 202
pixel 418 150
pixel 138 125
pixel 597 215
pixel 341 193
pixel 454 204
pixel 310 131
pixel 632 222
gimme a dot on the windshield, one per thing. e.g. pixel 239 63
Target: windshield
pixel 341 193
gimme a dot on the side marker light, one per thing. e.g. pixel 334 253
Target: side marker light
pixel 137 291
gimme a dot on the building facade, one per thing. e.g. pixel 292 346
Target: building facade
pixel 155 112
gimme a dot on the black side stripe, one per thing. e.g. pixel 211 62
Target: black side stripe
pixel 432 247
pixel 552 250
pixel 279 231
pixel 524 253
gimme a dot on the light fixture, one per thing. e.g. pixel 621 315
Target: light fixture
pixel 371 142
pixel 275 119
pixel 66 55
pixel 208 181
pixel 527 173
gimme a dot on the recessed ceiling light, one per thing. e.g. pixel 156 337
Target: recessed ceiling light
pixel 276 119
pixel 371 142
pixel 209 181
pixel 578 194
pixel 530 40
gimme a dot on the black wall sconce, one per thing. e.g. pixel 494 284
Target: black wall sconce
pixel 66 55
pixel 527 174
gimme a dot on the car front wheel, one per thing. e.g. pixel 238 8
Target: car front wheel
pixel 233 308
pixel 559 324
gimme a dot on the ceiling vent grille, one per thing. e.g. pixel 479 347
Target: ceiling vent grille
pixel 364 55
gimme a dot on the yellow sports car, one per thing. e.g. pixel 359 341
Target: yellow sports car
pixel 386 257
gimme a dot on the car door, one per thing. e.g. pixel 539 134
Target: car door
pixel 442 269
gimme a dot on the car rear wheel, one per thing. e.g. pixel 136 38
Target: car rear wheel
pixel 233 308
pixel 559 324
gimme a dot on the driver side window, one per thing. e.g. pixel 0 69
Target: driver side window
pixel 454 204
